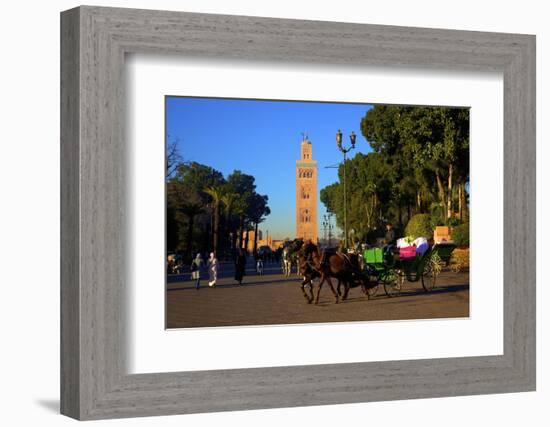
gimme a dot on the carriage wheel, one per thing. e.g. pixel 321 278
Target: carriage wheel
pixel 371 278
pixel 373 291
pixel 394 284
pixel 428 278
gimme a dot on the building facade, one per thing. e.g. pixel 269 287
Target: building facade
pixel 306 193
pixel 264 239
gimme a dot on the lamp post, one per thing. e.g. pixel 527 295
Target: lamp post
pixel 327 226
pixel 345 151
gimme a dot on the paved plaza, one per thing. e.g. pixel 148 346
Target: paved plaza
pixel 275 299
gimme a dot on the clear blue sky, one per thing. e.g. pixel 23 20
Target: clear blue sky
pixel 262 138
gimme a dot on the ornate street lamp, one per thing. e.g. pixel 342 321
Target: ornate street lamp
pixel 352 137
pixel 345 151
pixel 327 226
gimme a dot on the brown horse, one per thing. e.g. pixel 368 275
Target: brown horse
pixel 329 264
pixel 309 272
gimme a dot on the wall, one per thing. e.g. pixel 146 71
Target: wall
pixel 29 224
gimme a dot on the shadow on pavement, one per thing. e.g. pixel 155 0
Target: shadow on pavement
pixel 446 290
pixel 190 285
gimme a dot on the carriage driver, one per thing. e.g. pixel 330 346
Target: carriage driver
pixel 389 238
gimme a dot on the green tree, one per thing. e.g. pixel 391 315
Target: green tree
pixel 187 201
pixel 191 211
pixel 196 196
pixel 257 213
pixel 419 226
pixel 216 193
pixel 429 144
pixel 243 185
pixel 439 141
pixel 173 158
pixel 419 164
pixel 229 201
pixel 381 127
pixel 369 180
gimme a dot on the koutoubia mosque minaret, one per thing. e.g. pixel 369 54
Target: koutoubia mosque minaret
pixel 306 193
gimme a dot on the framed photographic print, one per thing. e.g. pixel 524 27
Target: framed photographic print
pixel 347 211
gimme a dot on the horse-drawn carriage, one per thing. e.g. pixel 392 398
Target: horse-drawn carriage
pixel 379 268
pixel 391 269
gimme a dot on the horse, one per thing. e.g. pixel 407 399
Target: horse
pixel 308 272
pixel 289 255
pixel 329 264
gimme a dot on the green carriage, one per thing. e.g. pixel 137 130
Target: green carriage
pixel 390 271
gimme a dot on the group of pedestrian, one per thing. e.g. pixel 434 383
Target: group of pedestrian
pixel 198 265
pixel 212 264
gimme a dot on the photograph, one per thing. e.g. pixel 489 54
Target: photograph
pixel 286 212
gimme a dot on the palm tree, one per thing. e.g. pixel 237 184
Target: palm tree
pixel 256 233
pixel 216 192
pixel 190 210
pixel 257 210
pixel 229 201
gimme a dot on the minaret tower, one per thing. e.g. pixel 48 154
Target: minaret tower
pixel 306 193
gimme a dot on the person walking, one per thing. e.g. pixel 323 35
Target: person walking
pixel 240 265
pixel 212 270
pixel 390 235
pixel 196 267
pixel 260 266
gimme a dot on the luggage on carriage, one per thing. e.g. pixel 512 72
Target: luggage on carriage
pixel 410 260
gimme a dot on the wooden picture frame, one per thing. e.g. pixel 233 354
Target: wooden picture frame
pixel 94 382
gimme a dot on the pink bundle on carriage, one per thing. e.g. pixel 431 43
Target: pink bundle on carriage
pixel 408 250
